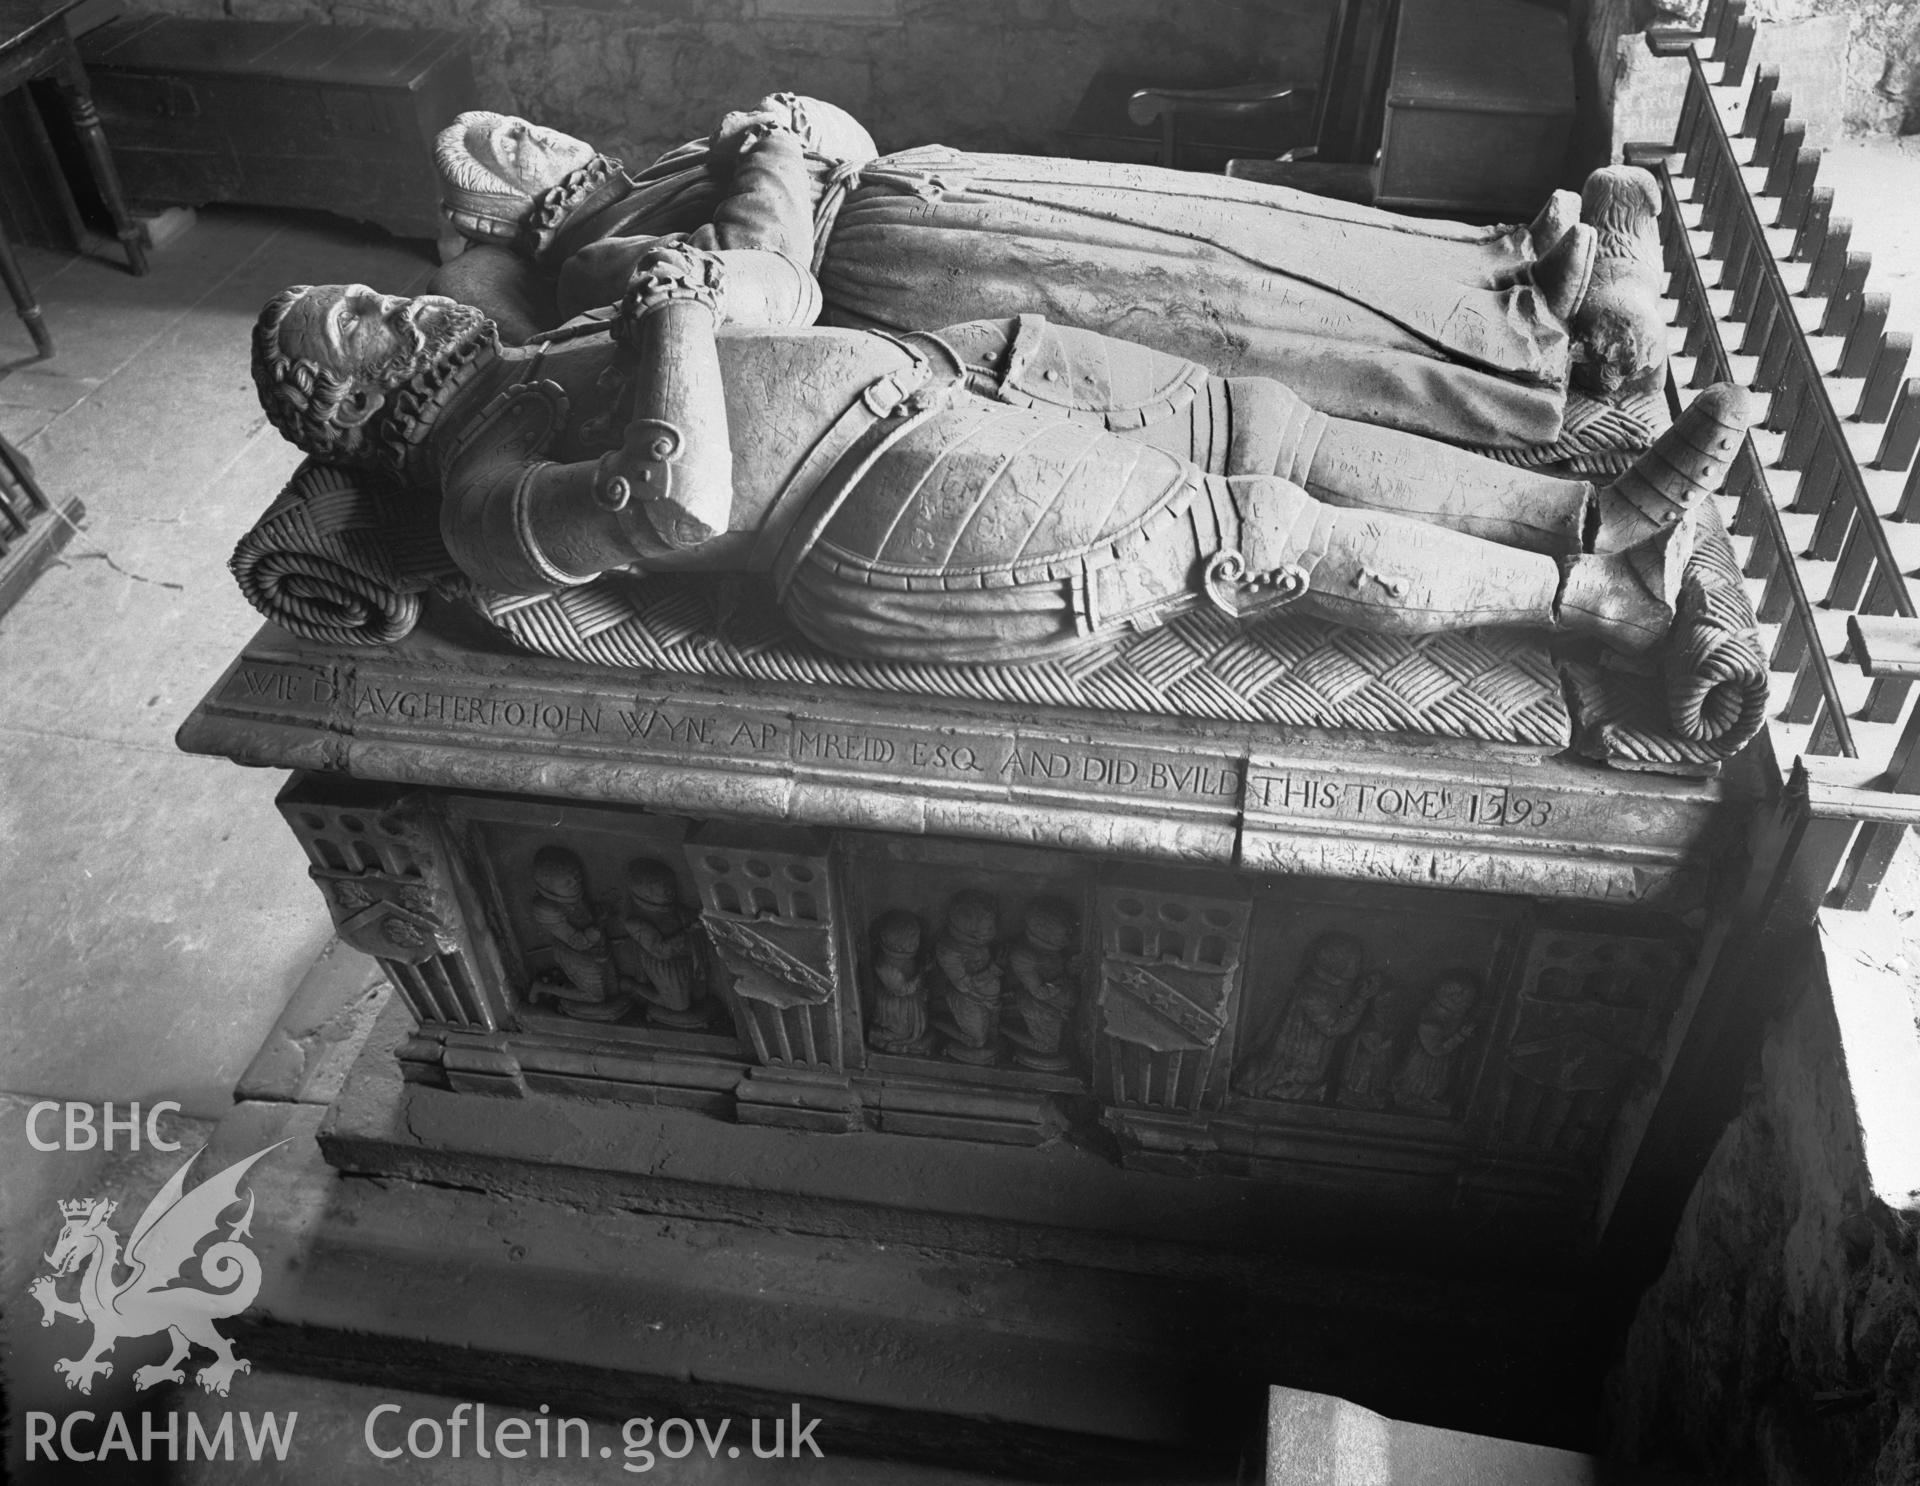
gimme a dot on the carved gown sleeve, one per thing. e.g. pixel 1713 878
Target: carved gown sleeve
pixel 769 202
pixel 762 232
pixel 765 207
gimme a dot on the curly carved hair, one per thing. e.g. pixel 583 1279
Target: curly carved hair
pixel 300 397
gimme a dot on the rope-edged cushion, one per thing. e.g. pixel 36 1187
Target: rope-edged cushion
pixel 342 558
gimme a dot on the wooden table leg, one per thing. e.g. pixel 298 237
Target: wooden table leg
pixel 71 79
pixel 23 300
pixel 56 170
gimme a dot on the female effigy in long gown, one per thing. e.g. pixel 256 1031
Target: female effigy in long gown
pixel 1434 327
pixel 1425 330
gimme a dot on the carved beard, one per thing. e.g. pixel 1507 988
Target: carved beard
pixel 447 338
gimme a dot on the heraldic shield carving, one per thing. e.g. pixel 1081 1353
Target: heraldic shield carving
pixel 766 969
pixel 770 915
pixel 1169 996
pixel 386 917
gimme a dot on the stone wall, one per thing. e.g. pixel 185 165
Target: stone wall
pixel 638 76
pixel 1874 46
pixel 1781 1346
pixel 1882 92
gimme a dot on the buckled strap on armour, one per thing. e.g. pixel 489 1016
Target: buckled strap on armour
pixel 886 409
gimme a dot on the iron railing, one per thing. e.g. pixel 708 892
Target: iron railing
pixel 1823 501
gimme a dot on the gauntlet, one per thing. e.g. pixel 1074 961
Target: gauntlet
pixel 674 469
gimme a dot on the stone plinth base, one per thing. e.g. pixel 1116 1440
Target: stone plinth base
pixel 617 1261
pixel 1009 1084
pixel 1434 980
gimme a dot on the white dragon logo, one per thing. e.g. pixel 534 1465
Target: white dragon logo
pixel 147 1301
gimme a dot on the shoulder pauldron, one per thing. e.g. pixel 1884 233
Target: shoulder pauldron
pixel 520 424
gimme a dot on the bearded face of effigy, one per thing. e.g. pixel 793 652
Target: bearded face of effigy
pixel 328 359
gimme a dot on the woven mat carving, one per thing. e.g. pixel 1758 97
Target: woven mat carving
pixel 347 567
pixel 1492 685
pixel 1599 436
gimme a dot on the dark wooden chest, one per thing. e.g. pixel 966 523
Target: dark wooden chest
pixel 339 118
pixel 1479 108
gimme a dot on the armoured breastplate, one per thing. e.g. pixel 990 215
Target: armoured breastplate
pixel 980 494
pixel 785 388
pixel 1000 489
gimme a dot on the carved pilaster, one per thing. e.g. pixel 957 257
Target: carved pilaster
pixel 395 891
pixel 1169 996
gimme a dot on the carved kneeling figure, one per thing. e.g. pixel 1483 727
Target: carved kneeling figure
pixel 583 981
pixel 1041 997
pixel 970 975
pixel 1423 1083
pixel 1329 1000
pixel 661 952
pixel 897 1012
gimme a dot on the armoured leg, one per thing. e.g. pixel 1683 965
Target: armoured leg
pixel 1626 599
pixel 1358 466
pixel 1381 469
pixel 1384 573
pixel 1684 466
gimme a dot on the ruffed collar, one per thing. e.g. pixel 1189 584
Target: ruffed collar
pixel 562 203
pixel 419 408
